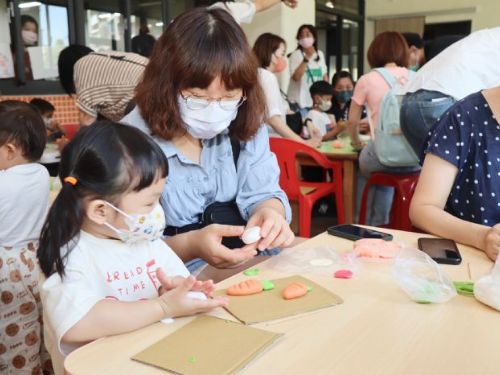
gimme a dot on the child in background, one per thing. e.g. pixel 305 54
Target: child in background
pixel 107 270
pixel 317 119
pixel 24 192
pixel 46 109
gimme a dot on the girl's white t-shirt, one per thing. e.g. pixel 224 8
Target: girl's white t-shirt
pixel 298 91
pixel 275 104
pixel 98 269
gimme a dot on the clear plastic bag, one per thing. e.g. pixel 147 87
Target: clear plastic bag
pixel 322 261
pixel 421 277
pixel 487 288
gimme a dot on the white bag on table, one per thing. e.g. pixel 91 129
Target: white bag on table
pixel 487 288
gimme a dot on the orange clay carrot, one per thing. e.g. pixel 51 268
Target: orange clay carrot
pixel 295 290
pixel 245 288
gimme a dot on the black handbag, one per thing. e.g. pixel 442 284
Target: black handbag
pixel 226 213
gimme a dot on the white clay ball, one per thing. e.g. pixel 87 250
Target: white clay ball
pixel 251 235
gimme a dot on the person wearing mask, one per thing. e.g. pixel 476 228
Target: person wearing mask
pixel 143 43
pixel 466 66
pixel 103 83
pixel 307 65
pixel 389 51
pixel 29 36
pixel 207 118
pixel 270 51
pixel 320 121
pixel 416 49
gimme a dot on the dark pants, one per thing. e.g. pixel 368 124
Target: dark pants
pixel 419 111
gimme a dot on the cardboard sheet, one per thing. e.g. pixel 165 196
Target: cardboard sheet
pixel 270 305
pixel 209 346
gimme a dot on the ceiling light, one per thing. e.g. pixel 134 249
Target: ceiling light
pixel 30 4
pixel 159 24
pixel 329 4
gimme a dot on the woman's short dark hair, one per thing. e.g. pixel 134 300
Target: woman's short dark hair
pixel 388 47
pixel 107 160
pixel 339 75
pixel 25 18
pixel 197 47
pixel 66 63
pixel 23 126
pixel 264 47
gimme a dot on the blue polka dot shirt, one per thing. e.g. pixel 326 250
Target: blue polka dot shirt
pixel 468 136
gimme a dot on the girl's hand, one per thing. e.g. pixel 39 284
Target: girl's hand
pixel 275 231
pixel 176 303
pixel 492 242
pixel 168 283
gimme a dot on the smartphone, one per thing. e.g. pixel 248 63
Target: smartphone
pixel 355 232
pixel 441 250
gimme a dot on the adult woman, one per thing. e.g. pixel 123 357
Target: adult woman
pixel 307 65
pixel 389 51
pixel 463 154
pixel 270 50
pixel 343 87
pixel 29 37
pixel 199 89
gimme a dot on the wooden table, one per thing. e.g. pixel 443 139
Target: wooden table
pixel 349 158
pixel 377 330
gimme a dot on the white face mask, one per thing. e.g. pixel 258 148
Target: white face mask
pixel 306 42
pixel 141 227
pixel 29 37
pixel 47 121
pixel 207 122
pixel 325 105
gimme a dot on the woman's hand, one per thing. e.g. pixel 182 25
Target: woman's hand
pixel 492 242
pixel 215 253
pixel 275 231
pixel 176 302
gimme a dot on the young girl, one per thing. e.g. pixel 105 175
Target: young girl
pixel 107 269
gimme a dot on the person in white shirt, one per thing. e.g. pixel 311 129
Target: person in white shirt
pixel 307 65
pixel 243 11
pixel 467 66
pixel 101 251
pixel 24 192
pixel 320 121
pixel 270 50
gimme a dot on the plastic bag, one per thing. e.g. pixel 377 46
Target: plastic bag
pixel 487 288
pixel 322 261
pixel 421 277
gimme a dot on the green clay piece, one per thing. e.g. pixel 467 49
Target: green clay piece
pixel 267 285
pixel 465 288
pixel 251 272
pixel 423 302
pixel 309 288
pixel 192 359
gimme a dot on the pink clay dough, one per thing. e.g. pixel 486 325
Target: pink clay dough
pixel 375 248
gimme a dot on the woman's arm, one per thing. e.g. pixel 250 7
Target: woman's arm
pixel 261 5
pixel 299 72
pixel 353 124
pixel 427 206
pixel 284 130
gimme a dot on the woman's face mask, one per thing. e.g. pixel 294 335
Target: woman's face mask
pixel 306 42
pixel 29 37
pixel 343 96
pixel 280 64
pixel 204 119
pixel 325 104
pixel 141 227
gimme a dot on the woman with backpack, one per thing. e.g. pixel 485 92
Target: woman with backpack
pixel 389 51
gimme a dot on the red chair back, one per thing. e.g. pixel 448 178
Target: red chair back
pixel 286 151
pixel 71 130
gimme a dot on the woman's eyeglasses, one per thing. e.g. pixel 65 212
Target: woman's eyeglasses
pixel 195 103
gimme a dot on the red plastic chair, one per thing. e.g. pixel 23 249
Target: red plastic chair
pixel 71 130
pixel 306 193
pixel 404 187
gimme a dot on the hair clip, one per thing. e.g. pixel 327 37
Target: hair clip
pixel 70 180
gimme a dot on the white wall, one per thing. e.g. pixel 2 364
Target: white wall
pixel 283 21
pixel 482 13
pixel 4 23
